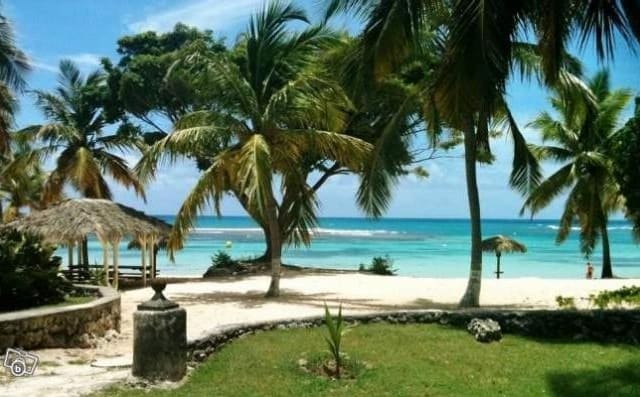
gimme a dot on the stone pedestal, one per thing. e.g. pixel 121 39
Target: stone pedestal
pixel 159 338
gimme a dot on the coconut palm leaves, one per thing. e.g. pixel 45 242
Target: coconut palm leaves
pixel 581 139
pixel 13 66
pixel 276 116
pixel 75 135
pixel 21 179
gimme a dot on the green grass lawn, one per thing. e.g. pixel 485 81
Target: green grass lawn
pixel 414 360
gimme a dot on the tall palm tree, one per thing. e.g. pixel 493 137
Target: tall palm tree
pixel 479 38
pixel 277 116
pixel 13 67
pixel 75 136
pixel 582 137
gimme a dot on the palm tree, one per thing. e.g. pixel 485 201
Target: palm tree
pixel 75 135
pixel 13 66
pixel 276 117
pixel 21 180
pixel 479 51
pixel 582 138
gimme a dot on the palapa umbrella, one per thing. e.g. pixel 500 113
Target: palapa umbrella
pixel 500 244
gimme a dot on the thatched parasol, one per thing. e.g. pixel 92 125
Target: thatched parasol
pixel 500 244
pixel 70 221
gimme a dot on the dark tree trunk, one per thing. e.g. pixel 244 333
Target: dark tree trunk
pixel 471 297
pixel 85 253
pixel 1 213
pixel 607 268
pixel 275 243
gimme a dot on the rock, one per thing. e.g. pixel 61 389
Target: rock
pixel 303 362
pixel 485 330
pixel 199 355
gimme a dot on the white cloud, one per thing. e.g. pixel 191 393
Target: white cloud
pixel 210 14
pixel 84 59
pixel 44 66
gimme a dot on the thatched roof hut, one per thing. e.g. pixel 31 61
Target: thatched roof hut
pixel 73 219
pixel 70 221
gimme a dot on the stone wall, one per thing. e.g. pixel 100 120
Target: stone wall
pixel 619 326
pixel 64 326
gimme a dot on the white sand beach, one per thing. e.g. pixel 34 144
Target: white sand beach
pixel 214 304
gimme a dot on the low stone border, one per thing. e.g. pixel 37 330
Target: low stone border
pixel 618 326
pixel 64 326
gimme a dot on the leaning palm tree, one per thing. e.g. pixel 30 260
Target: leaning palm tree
pixel 479 38
pixel 276 115
pixel 582 138
pixel 75 136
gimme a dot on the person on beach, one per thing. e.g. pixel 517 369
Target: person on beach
pixel 589 271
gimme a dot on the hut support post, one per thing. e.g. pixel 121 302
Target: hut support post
pixel 498 272
pixel 70 247
pixel 143 251
pixel 152 256
pixel 116 254
pixel 79 253
pixel 105 261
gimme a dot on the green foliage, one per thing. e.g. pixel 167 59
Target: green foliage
pixel 626 157
pixel 566 302
pixel 412 360
pixel 381 265
pixel 618 297
pixel 141 86
pixel 28 272
pixel 336 330
pixel 222 260
pixel 75 135
pixel 580 140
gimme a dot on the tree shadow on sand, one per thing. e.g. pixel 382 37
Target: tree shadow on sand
pixel 619 381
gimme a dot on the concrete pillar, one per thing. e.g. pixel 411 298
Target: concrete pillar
pixel 159 338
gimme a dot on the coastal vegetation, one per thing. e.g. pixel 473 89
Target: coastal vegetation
pixel 581 139
pixel 294 102
pixel 29 272
pixel 439 361
pixel 380 265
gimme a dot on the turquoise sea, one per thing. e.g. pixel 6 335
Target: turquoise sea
pixel 418 247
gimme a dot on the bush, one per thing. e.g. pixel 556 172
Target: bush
pixel 28 272
pixel 618 297
pixel 379 265
pixel 566 302
pixel 222 260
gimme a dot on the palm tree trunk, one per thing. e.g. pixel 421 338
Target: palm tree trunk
pixel 275 243
pixel 471 297
pixel 607 271
pixel 1 213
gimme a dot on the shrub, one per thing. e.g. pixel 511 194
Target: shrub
pixel 624 295
pixel 380 265
pixel 28 272
pixel 222 260
pixel 566 302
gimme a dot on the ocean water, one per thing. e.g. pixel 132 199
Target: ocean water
pixel 418 247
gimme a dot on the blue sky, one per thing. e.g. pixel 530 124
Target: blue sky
pixel 85 31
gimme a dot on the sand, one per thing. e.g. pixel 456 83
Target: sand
pixel 211 305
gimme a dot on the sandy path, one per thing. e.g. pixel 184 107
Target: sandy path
pixel 210 305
